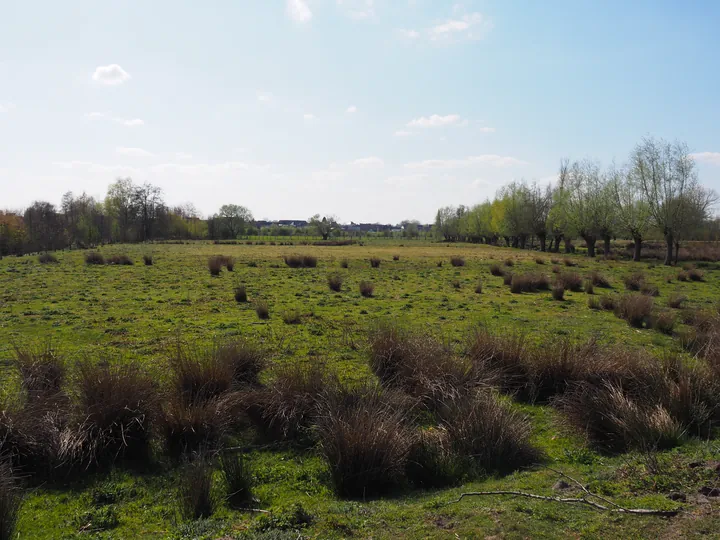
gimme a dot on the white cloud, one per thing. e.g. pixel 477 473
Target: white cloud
pixel 132 152
pixel 6 107
pixel 492 160
pixel 402 133
pixel 358 9
pixel 134 122
pixel 351 109
pixel 308 116
pixel 487 130
pixel 404 180
pixel 371 161
pixel 110 75
pixel 298 11
pixel 470 26
pixel 408 34
pixel 707 157
pixel 264 97
pixel 436 120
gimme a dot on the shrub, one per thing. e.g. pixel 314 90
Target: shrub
pixel 375 262
pixel 509 263
pixel 47 258
pixel 599 280
pixel 589 287
pixel 344 263
pixel 676 300
pixel 530 282
pixel 650 290
pixel 229 263
pixel 478 286
pixel 594 303
pixel 607 302
pixel 195 493
pixel 148 260
pixel 93 257
pixel 495 270
pixel 119 260
pixel 635 281
pixel 418 363
pixel 367 289
pixel 491 433
pixel 262 309
pixel 555 260
pixel 237 477
pixel 569 262
pixel 683 276
pixel 507 279
pixel 439 264
pixel 42 371
pixel 558 292
pixel 614 421
pixel 570 281
pixel 241 358
pixel 300 261
pixel 456 261
pixel 635 309
pixel 116 405
pixel 456 283
pixel 215 265
pixel 335 282
pixel 539 260
pixel 500 360
pixel 696 275
pixel 364 440
pixel 241 294
pixel 287 407
pixel 665 322
pixel 289 316
pixel 555 269
pixel 396 257
pixel 10 501
pixel 432 463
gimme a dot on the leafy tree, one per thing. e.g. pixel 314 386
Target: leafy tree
pixel 234 218
pixel 323 227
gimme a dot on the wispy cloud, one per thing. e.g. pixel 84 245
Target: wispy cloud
pixel 436 120
pixel 403 133
pixel 110 75
pixel 132 152
pixel 492 160
pixel 371 161
pixel 707 157
pixel 358 9
pixel 468 27
pixel 128 122
pixel 308 116
pixel 298 11
pixel 6 107
pixel 264 97
pixel 352 109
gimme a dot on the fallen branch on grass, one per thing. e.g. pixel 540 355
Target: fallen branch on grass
pixel 612 507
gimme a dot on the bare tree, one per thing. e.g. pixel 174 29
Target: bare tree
pixel 583 199
pixel 667 177
pixel 325 226
pixel 632 210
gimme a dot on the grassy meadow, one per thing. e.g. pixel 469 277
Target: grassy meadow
pixel 137 313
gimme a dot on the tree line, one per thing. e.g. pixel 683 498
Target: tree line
pixel 656 194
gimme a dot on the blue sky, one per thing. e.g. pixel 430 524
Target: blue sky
pixel 372 110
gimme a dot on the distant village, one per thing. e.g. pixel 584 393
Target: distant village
pixel 352 227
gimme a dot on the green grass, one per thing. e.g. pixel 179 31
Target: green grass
pixel 136 312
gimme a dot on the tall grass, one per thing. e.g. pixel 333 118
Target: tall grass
pixel 10 501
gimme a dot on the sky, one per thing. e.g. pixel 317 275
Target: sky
pixel 369 110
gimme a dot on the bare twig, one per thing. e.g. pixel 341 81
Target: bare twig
pixel 573 500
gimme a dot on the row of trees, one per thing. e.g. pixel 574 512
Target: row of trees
pixel 656 194
pixel 128 213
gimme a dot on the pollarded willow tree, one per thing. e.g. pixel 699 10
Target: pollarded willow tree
pixel 666 175
pixel 584 197
pixel 631 209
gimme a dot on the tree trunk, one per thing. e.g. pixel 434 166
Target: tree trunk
pixel 669 253
pixel 606 239
pixel 677 251
pixel 590 241
pixel 542 239
pixel 568 245
pixel 637 249
pixel 515 241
